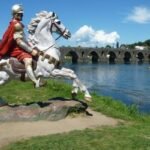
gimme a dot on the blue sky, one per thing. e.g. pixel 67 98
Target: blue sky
pixel 91 22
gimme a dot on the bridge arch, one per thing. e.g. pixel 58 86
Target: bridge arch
pixel 93 56
pixel 71 56
pixel 140 56
pixel 112 57
pixel 149 58
pixel 127 57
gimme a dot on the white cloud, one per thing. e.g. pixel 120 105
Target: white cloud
pixel 87 36
pixel 139 15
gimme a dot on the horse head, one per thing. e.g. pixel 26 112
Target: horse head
pixel 41 27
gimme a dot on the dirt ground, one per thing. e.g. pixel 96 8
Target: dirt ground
pixel 15 131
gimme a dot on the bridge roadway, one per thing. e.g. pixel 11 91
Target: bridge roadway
pixel 104 55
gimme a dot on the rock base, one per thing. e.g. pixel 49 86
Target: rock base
pixel 53 109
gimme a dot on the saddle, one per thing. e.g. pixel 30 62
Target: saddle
pixel 19 67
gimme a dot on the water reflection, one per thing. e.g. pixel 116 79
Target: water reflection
pixel 129 83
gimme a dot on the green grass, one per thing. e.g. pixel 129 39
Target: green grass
pixel 18 92
pixel 117 109
pixel 134 135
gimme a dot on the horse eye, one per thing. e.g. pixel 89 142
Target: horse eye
pixel 58 22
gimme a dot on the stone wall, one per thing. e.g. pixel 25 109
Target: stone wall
pixel 104 55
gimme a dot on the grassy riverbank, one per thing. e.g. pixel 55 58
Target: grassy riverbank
pixel 134 134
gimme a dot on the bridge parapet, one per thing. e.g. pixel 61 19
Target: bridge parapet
pixel 104 55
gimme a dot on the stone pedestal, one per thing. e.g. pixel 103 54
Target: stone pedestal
pixel 54 109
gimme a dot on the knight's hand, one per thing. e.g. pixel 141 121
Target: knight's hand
pixel 34 52
pixel 67 34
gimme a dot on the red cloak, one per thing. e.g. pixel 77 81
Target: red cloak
pixel 8 45
pixel 7 41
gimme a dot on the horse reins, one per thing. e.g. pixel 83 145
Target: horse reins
pixel 57 37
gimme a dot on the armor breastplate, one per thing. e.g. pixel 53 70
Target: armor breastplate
pixel 19 31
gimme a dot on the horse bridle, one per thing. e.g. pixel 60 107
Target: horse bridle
pixel 58 36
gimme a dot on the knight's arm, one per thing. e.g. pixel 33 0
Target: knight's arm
pixel 20 38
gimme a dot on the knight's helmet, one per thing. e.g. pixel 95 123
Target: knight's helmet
pixel 16 9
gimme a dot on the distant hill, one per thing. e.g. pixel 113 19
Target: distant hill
pixel 144 44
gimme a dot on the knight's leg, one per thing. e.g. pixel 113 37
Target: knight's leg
pixel 68 73
pixel 29 70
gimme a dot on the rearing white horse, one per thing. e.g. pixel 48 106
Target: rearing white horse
pixel 40 36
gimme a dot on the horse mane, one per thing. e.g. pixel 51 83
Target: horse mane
pixel 35 21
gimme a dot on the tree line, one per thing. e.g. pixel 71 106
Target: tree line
pixel 146 44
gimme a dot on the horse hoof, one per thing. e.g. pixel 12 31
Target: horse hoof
pixel 42 83
pixel 88 99
pixel 74 95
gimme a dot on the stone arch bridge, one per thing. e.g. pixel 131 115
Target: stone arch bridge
pixel 104 55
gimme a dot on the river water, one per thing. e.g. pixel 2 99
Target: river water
pixel 127 83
